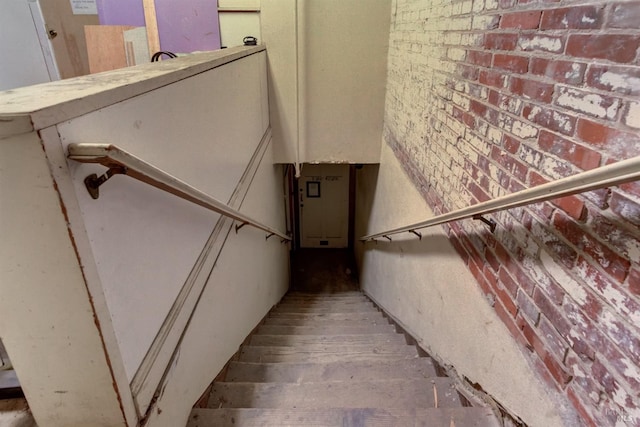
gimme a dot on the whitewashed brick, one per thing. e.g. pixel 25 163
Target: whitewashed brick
pixel 456 54
pixel 588 103
pixel 524 130
pixel 632 117
pixel 494 135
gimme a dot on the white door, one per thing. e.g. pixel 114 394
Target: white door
pixel 25 51
pixel 324 206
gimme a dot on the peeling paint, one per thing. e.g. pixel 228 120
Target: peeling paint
pixel 589 103
pixel 619 81
pixel 563 121
pixel 524 130
pixel 574 73
pixel 633 115
pixel 538 42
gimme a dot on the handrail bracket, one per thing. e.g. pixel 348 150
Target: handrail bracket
pixel 417 233
pixel 93 181
pixel 239 226
pixel 490 222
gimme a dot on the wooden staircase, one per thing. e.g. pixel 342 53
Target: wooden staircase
pixel 333 360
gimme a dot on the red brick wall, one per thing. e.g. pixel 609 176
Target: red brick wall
pixel 487 97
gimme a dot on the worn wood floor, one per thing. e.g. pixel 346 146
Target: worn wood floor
pixel 326 356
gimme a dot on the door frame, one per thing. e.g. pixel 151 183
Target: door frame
pixel 295 203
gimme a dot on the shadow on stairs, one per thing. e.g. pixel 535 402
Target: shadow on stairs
pixel 332 358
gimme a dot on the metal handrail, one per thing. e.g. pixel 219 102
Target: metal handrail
pixel 121 162
pixel 606 176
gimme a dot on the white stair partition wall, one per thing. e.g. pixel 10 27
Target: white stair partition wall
pixel 209 126
pixel 251 276
pixel 65 355
pixel 201 118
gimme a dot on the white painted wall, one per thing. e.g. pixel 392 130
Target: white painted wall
pixel 279 27
pixel 328 73
pixel 252 275
pixel 342 55
pixel 202 130
pixel 236 25
pixel 425 286
pixel 47 320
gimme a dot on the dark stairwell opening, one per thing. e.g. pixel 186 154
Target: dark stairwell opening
pixel 323 265
pixel 323 271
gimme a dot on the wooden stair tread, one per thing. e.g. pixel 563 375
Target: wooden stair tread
pixel 416 393
pixel 421 367
pixel 325 353
pixel 333 360
pixel 343 417
pixel 301 340
pixel 321 330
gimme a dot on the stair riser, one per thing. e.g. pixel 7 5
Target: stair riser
pixel 295 308
pixel 380 394
pixel 326 354
pixel 328 324
pixel 303 340
pixel 342 417
pixel 312 330
pixel 409 369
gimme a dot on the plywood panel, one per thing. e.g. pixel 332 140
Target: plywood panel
pixel 106 48
pixel 69 46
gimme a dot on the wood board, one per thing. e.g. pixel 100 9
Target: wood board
pixel 106 47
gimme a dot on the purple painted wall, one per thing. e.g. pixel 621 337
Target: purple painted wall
pixel 121 12
pixel 188 26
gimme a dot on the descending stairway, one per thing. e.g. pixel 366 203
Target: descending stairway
pixel 333 360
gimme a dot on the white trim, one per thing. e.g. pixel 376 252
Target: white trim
pixel 45 42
